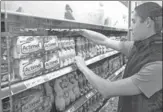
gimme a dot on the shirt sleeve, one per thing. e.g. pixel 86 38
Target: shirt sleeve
pixel 149 78
pixel 126 47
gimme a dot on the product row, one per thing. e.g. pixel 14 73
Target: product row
pixel 92 104
pixel 64 91
pixel 60 93
pixel 31 56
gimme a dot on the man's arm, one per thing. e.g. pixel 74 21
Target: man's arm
pixel 124 87
pixel 100 39
pixel 103 40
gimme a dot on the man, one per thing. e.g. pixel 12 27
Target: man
pixel 140 90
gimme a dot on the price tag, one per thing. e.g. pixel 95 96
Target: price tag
pixel 46 79
pixel 112 53
pixel 102 57
pixel 71 109
pixel 53 75
pixel 34 82
pixel 89 95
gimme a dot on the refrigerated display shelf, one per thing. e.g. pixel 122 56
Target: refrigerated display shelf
pixel 81 101
pixel 24 20
pixel 111 105
pixel 85 98
pixel 113 78
pixel 24 85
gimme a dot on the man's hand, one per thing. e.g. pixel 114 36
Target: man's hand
pixel 80 63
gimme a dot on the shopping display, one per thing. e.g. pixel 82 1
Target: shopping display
pixel 111 105
pixel 38 70
pixel 92 104
pixel 37 99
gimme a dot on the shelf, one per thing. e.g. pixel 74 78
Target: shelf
pixel 100 57
pixel 105 105
pixel 22 86
pixel 81 101
pixel 115 75
pixel 85 98
pixel 24 20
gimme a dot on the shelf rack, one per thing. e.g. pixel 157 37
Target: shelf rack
pixel 14 23
pixel 24 85
pixel 86 97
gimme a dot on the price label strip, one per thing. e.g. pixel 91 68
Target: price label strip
pixel 53 75
pixel 102 57
pixel 72 109
pixel 34 82
pixel 89 95
pixel 119 71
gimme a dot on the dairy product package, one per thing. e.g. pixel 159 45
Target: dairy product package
pixel 105 67
pixel 25 46
pixel 66 94
pixel 3 59
pixel 28 101
pixel 74 85
pixel 27 68
pixel 51 62
pixel 49 92
pixel 59 94
pixel 4 67
pixel 60 102
pixel 50 43
pixel 4 72
pixel 47 105
pixel 6 105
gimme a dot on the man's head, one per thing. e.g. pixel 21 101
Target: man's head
pixel 146 20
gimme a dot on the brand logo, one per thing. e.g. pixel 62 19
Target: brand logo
pixel 32 68
pixel 50 45
pixel 30 47
pixel 51 64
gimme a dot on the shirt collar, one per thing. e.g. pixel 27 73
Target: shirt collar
pixel 156 38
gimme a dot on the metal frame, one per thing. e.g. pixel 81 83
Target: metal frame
pixel 0 77
pixel 129 19
pixel 63 23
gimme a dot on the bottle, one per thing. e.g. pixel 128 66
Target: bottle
pixel 66 90
pixel 71 86
pixel 81 84
pixel 60 52
pixel 49 91
pixel 51 62
pixel 59 96
pixel 50 43
pixel 75 87
pixel 86 87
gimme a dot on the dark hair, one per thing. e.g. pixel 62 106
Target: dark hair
pixel 152 10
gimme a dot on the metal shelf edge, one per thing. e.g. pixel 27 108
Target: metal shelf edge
pixel 74 107
pixel 81 101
